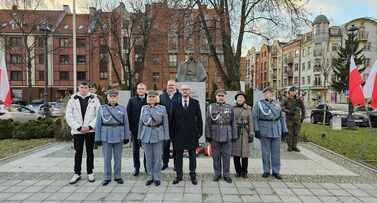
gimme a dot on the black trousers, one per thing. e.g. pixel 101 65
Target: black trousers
pixel 179 162
pixel 166 152
pixel 241 168
pixel 78 143
pixel 136 145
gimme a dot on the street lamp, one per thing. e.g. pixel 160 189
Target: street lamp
pixel 351 34
pixel 45 29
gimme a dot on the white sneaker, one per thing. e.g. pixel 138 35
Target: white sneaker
pixel 74 179
pixel 91 177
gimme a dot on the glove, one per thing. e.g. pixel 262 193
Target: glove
pixel 98 143
pixel 126 141
pixel 208 139
pixel 257 134
pixel 251 139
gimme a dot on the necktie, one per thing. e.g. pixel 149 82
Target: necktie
pixel 185 104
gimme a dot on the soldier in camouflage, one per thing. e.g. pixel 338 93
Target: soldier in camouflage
pixel 295 114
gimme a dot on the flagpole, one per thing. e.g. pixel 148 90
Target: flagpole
pixel 74 48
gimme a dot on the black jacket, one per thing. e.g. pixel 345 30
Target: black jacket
pixel 167 102
pixel 187 124
pixel 133 111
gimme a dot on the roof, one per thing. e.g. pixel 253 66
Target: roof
pixel 321 19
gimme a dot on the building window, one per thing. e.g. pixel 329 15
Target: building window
pixel 172 41
pixel 63 75
pixel 15 41
pixel 41 75
pixel 64 59
pixel 334 47
pixel 81 75
pixel 41 59
pixel 63 42
pixel 309 65
pixel 81 59
pixel 39 42
pixel 81 43
pixel 308 81
pixel 103 63
pixel 156 76
pixel 295 80
pixel 296 66
pixel 303 80
pixel 317 80
pixel 303 66
pixel 172 60
pixel 155 60
pixel 16 75
pixel 15 59
pixel 172 76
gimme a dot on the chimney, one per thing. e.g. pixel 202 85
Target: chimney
pixel 66 9
pixel 14 7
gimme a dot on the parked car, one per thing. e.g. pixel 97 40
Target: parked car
pixel 18 113
pixel 372 114
pixel 316 116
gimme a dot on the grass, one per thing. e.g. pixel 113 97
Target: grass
pixel 12 146
pixel 359 144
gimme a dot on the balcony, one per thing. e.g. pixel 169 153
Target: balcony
pixel 317 68
pixel 363 35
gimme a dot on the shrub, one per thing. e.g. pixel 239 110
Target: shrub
pixel 44 128
pixel 6 129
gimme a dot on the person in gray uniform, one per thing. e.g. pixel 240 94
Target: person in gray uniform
pixel 112 130
pixel 153 131
pixel 269 127
pixel 220 132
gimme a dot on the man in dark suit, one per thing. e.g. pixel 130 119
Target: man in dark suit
pixel 167 98
pixel 187 126
pixel 133 112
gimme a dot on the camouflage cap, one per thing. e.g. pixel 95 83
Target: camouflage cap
pixel 220 92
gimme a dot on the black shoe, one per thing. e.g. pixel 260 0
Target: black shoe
pixel 228 179
pixel 244 175
pixel 105 182
pixel 148 182
pixel 194 181
pixel 289 149
pixel 177 180
pixel 164 167
pixel 265 175
pixel 216 178
pixel 136 172
pixel 296 149
pixel 277 176
pixel 238 175
pixel 157 183
pixel 119 180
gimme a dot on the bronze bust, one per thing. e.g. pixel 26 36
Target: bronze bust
pixel 191 71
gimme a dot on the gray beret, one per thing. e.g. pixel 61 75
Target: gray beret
pixel 268 89
pixel 112 92
pixel 152 93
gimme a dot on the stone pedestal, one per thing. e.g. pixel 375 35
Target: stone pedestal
pixel 198 92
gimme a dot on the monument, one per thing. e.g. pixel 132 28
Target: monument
pixel 192 73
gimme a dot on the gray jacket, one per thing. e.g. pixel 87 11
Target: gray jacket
pixel 268 119
pixel 153 124
pixel 220 123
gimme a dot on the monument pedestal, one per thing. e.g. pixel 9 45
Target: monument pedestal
pixel 198 92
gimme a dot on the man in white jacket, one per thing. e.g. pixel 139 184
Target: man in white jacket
pixel 81 115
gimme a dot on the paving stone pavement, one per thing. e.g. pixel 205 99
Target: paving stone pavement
pixel 310 176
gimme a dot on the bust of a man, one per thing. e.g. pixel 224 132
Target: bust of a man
pixel 191 71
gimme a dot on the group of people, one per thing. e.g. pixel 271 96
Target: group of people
pixel 154 122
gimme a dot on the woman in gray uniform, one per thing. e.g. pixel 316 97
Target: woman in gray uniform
pixel 153 131
pixel 112 130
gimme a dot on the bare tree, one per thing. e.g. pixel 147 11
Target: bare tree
pixel 238 18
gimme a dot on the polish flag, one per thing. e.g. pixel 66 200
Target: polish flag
pixel 354 85
pixel 5 93
pixel 370 87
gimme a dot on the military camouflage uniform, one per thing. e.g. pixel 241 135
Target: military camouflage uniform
pixel 294 110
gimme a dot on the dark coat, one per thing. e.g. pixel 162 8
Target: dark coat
pixel 167 102
pixel 133 112
pixel 187 124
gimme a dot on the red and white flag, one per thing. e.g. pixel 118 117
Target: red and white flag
pixel 5 93
pixel 370 87
pixel 354 84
